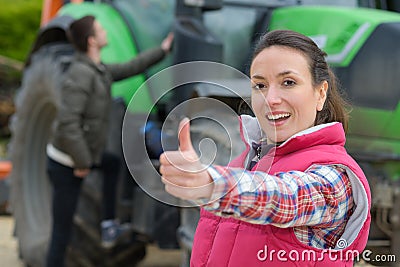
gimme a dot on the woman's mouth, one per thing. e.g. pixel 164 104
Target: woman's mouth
pixel 278 118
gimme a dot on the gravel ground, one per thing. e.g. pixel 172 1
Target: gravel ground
pixel 9 253
pixel 8 244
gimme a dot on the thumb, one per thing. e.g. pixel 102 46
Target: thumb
pixel 185 143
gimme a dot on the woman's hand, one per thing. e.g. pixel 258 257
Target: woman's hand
pixel 182 172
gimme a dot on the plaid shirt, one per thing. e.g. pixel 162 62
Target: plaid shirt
pixel 317 202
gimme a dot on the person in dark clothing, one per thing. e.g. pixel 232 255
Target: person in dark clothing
pixel 77 145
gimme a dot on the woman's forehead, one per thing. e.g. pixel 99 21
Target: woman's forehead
pixel 280 59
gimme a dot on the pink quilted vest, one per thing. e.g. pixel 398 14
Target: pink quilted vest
pixel 224 242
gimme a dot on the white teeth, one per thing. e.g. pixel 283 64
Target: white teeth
pixel 278 116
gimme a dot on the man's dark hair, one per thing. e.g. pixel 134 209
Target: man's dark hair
pixel 79 32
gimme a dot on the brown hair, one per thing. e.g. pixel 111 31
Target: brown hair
pixel 79 32
pixel 335 106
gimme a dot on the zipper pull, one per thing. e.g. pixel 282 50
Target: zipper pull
pixel 259 152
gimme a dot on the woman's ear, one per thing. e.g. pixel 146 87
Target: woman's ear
pixel 322 92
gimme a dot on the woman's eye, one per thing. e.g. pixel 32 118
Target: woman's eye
pixel 289 83
pixel 259 86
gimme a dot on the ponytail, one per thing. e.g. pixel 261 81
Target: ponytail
pixel 336 107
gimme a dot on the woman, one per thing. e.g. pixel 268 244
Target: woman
pixel 300 200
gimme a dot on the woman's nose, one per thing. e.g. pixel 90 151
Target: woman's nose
pixel 273 96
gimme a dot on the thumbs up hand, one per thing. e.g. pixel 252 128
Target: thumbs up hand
pixel 182 172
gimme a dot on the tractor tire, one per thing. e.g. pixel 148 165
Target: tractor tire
pixel 30 196
pixel 36 106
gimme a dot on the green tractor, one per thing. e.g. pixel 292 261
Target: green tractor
pixel 213 45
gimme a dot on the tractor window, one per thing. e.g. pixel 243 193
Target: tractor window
pixel 371 79
pixel 234 26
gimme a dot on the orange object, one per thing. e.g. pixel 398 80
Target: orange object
pixel 5 169
pixel 50 9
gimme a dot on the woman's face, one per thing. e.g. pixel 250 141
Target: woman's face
pixel 283 97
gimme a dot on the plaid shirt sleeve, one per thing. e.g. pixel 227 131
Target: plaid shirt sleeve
pixel 320 196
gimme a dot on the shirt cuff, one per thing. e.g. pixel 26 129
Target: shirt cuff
pixel 221 189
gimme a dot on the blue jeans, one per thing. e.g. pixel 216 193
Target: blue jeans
pixel 66 189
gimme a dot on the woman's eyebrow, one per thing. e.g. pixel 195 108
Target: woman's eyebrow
pixel 257 76
pixel 286 72
pixel 283 73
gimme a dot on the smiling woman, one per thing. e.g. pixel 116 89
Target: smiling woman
pixel 294 188
pixel 284 98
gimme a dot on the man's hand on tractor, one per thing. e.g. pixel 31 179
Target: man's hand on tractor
pixel 166 44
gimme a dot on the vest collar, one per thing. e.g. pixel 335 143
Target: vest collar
pixel 323 134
